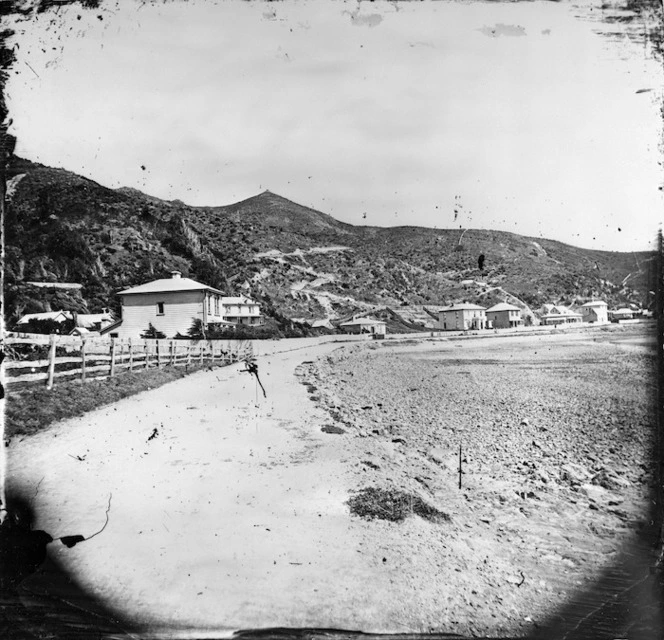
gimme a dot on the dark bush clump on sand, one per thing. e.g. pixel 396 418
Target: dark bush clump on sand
pixel 393 505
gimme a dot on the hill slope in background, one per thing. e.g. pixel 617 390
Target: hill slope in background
pixel 298 262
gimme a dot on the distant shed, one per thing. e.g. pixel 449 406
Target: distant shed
pixel 364 325
pixel 618 315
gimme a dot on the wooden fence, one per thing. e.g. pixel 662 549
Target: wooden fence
pixel 57 357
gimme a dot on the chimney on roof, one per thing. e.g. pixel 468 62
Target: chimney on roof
pixel 175 274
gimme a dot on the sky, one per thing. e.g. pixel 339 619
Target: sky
pixel 497 115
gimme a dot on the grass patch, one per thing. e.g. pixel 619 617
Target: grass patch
pixel 32 410
pixel 392 505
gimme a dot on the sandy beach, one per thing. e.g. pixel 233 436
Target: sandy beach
pixel 235 514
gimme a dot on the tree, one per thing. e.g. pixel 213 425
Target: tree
pixel 152 333
pixel 47 326
pixel 197 330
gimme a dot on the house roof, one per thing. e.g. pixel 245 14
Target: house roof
pixel 90 319
pixel 503 306
pixel 558 310
pixel 562 312
pixel 59 316
pixel 79 330
pixel 236 300
pixel 168 285
pixel 594 303
pixel 360 321
pixel 110 327
pixel 57 285
pixel 463 306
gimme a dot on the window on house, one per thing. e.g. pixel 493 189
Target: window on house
pixel 216 305
pixel 160 308
pixel 209 301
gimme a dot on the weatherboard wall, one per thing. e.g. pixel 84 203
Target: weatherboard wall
pixel 598 313
pixel 504 319
pixel 461 319
pixel 180 308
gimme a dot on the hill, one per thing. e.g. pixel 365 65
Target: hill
pixel 298 262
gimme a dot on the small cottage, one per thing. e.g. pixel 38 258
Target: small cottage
pixel 53 316
pixel 89 321
pixel 554 314
pixel 595 312
pixel 504 316
pixel 618 315
pixel 461 317
pixel 364 325
pixel 94 321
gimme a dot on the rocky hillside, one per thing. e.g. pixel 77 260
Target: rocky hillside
pixel 298 262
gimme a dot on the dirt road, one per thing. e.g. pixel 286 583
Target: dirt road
pixel 231 516
pixel 228 509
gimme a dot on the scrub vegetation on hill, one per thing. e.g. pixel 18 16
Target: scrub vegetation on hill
pixel 297 262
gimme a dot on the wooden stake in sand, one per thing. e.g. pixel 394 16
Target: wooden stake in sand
pixel 460 467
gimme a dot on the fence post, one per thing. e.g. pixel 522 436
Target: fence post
pixel 112 371
pixel 147 353
pixel 189 347
pixel 156 342
pixel 51 363
pixel 201 352
pixel 131 355
pixel 173 352
pixel 82 359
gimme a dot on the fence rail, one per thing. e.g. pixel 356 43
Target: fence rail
pixel 70 357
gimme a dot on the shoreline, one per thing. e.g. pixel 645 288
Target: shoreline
pixel 249 496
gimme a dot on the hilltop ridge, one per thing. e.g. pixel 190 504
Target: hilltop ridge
pixel 297 261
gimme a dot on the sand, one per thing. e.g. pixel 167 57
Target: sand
pixel 235 514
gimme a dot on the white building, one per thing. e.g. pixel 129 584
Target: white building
pixel 241 310
pixel 461 317
pixel 364 325
pixel 555 314
pixel 172 304
pixel 621 314
pixel 596 311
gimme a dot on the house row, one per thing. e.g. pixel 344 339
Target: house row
pixel 170 305
pixel 82 322
pixel 594 312
pixel 466 316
